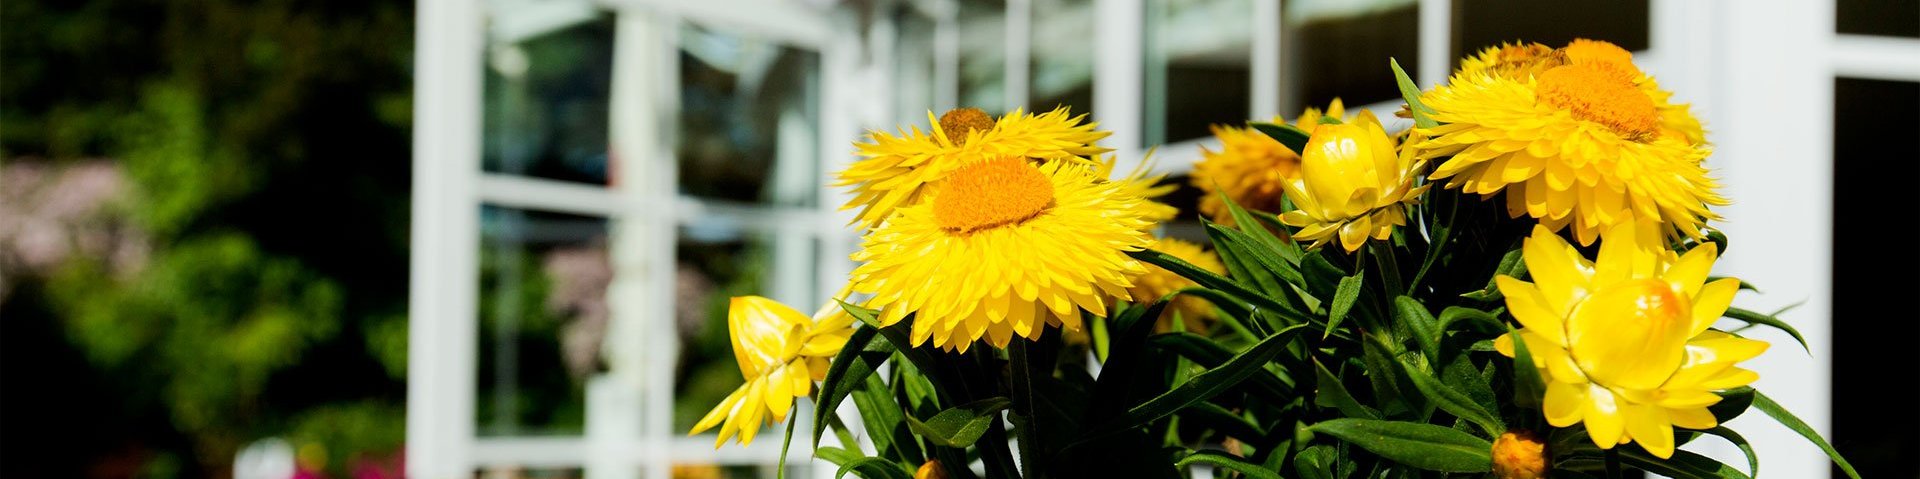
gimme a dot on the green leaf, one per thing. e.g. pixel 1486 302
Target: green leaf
pixel 785 442
pixel 1260 260
pixel 1290 136
pixel 1461 375
pixel 1383 372
pixel 1765 404
pixel 1343 299
pixel 1201 387
pixel 1683 465
pixel 1214 281
pixel 1422 116
pixel 1315 462
pixel 1215 458
pixel 860 465
pixel 1753 460
pixel 1208 354
pixel 1528 388
pixel 1227 304
pixel 1732 403
pixel 1424 446
pixel 1333 393
pixel 849 369
pixel 1456 403
pixel 1426 330
pixel 882 415
pixel 960 426
pixel 1768 320
pixel 1225 422
pixel 1262 236
pixel 1481 320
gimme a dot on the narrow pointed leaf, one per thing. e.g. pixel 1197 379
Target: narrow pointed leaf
pixel 1333 393
pixel 1343 299
pixel 1779 413
pixel 1528 388
pixel 1424 446
pixel 1422 116
pixel 961 425
pixel 1201 387
pixel 1426 330
pixel 1215 458
pixel 1456 403
pixel 1768 320
pixel 849 369
pixel 1290 136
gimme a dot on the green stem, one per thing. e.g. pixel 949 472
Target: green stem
pixel 1389 267
pixel 1022 378
pixel 993 447
pixel 1439 242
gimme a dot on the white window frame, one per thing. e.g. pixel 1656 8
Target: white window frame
pixel 629 427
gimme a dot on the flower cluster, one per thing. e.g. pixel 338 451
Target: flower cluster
pixel 1510 276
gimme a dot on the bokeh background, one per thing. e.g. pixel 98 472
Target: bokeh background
pixel 495 238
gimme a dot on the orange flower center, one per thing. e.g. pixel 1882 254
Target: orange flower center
pixel 1594 51
pixel 1601 93
pixel 991 193
pixel 958 122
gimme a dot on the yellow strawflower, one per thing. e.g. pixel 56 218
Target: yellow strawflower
pixel 781 353
pixel 896 169
pixel 1157 282
pixel 1004 248
pixel 1141 183
pixel 1576 137
pixel 1250 166
pixel 1353 184
pixel 1623 342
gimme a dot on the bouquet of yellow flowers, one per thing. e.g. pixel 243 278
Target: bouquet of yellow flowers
pixel 1519 285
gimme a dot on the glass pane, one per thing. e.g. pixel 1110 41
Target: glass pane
pixel 716 261
pixel 546 103
pixel 1483 23
pixel 1899 18
pixel 913 67
pixel 529 473
pixel 1197 70
pixel 983 55
pixel 543 311
pixel 1062 65
pixel 749 111
pixel 1338 49
pixel 1876 161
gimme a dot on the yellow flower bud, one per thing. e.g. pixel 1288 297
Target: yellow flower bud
pixel 1519 454
pixel 930 470
pixel 1352 185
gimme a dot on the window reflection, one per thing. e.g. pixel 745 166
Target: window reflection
pixel 983 54
pixel 1062 62
pixel 1339 49
pixel 543 311
pixel 1898 18
pixel 1197 67
pixel 545 112
pixel 748 119
pixel 1873 166
pixel 1478 24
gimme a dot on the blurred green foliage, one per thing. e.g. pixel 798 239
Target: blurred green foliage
pixel 266 145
